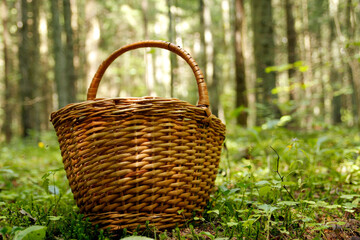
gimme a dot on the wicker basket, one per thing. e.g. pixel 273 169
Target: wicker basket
pixel 135 160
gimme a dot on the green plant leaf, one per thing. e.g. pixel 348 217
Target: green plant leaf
pixel 250 220
pixel 54 189
pixel 216 211
pixel 7 171
pixel 337 223
pixel 303 68
pixel 349 205
pixel 320 227
pixel 288 183
pixel 180 211
pixel 207 234
pixel 332 206
pixel 322 204
pixel 295 163
pixel 320 141
pixel 262 183
pixel 287 203
pixel 350 196
pixel 232 224
pixel 267 208
pixel 32 233
pixel 264 190
pixel 199 218
pixel 298 63
pixel 55 218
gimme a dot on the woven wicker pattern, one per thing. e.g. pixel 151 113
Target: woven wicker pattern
pixel 133 160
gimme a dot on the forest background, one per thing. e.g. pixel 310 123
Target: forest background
pixel 266 63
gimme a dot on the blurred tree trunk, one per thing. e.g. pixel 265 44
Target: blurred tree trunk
pixel 347 41
pixel 216 23
pixel 291 43
pixel 70 75
pixel 263 41
pixel 35 66
pixel 172 38
pixel 308 75
pixel 8 111
pixel 149 64
pixel 319 73
pixel 30 67
pixel 334 78
pixel 214 88
pixel 27 88
pixel 144 12
pixel 240 76
pixel 227 50
pixel 203 55
pixel 207 54
pixel 92 41
pixel 353 64
pixel 58 51
pixel 80 46
pixel 45 85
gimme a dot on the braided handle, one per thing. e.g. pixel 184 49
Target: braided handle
pixel 202 89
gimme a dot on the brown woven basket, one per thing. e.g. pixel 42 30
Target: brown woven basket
pixel 135 160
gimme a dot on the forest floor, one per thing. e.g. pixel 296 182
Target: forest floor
pixel 349 229
pixel 272 184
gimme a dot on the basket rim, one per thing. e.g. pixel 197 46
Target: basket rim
pixel 138 100
pixel 134 99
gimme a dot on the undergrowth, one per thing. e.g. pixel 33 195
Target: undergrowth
pixel 272 184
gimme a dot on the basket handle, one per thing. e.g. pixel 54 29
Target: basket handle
pixel 202 89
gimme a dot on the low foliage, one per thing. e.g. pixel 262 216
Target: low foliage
pixel 272 184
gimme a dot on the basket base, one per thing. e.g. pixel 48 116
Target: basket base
pixel 115 221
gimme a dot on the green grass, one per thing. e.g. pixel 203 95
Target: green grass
pixel 272 184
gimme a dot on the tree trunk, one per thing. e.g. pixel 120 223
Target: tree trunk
pixel 45 87
pixel 8 119
pixel 316 9
pixel 149 65
pixel 240 76
pixel 214 88
pixel 24 65
pixel 353 65
pixel 172 38
pixel 334 78
pixel 29 64
pixel 92 40
pixel 59 68
pixel 70 75
pixel 218 50
pixel 80 46
pixel 308 75
pixel 203 55
pixel 207 49
pixel 291 43
pixel 263 41
pixel 35 66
